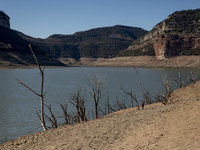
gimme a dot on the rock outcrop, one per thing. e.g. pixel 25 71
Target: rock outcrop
pixel 4 20
pixel 179 34
pixel 169 45
pixel 15 51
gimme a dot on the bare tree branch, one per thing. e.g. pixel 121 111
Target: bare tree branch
pixel 27 87
pixel 141 88
pixel 96 88
pixel 131 94
pixel 33 53
pixel 41 95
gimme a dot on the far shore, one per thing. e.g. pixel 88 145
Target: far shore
pixel 15 66
pixel 133 61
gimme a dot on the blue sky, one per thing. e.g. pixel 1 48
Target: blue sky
pixel 42 18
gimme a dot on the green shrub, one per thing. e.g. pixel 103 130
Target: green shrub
pixel 194 51
pixel 147 50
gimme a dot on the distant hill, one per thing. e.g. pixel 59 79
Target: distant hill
pixel 15 50
pixel 100 42
pixel 179 34
pixel 11 41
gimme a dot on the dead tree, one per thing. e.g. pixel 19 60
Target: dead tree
pixel 96 88
pixel 143 96
pixel 79 102
pixel 41 94
pixel 168 89
pixel 131 94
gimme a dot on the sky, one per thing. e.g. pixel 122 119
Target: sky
pixel 42 18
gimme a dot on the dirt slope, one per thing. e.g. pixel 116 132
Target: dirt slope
pixel 134 61
pixel 137 61
pixel 174 126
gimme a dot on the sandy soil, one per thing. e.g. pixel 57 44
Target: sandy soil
pixel 156 127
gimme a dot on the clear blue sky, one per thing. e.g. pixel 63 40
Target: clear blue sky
pixel 42 18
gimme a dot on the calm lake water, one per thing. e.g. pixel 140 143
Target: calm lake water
pixel 18 105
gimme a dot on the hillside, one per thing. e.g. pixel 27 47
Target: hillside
pixel 11 41
pixel 156 127
pixel 179 34
pixel 15 51
pixel 99 42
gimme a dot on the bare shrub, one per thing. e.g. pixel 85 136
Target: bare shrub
pixel 52 118
pixel 148 98
pixel 133 96
pixel 143 96
pixel 179 81
pixel 106 110
pixel 110 108
pixel 161 98
pixel 79 102
pixel 96 88
pixel 193 77
pixel 164 96
pixel 66 115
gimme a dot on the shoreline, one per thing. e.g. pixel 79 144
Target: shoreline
pixel 28 66
pixel 184 62
pixel 157 126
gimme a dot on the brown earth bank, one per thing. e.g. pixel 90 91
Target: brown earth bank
pixel 27 61
pixel 137 61
pixel 156 127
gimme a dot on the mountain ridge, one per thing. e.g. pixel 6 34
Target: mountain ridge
pixel 98 42
pixel 179 34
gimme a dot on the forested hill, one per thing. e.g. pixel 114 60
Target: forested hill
pixel 100 42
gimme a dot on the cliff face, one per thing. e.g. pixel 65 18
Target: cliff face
pixel 179 34
pixel 169 45
pixel 4 20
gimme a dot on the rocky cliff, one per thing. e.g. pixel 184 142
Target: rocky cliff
pixel 4 20
pixel 179 34
pixel 169 45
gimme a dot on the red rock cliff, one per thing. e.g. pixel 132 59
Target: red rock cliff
pixel 168 45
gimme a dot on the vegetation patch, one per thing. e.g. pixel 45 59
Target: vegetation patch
pixel 195 51
pixel 147 50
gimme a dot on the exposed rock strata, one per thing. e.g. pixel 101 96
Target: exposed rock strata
pixel 169 45
pixel 179 32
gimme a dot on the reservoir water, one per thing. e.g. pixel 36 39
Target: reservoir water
pixel 18 105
